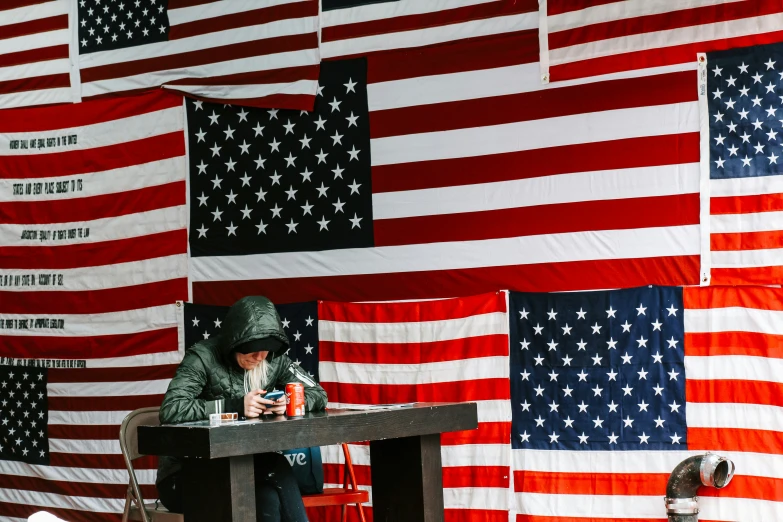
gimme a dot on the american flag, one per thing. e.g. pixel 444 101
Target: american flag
pixel 741 95
pixel 611 390
pixel 93 256
pixel 453 213
pixel 300 323
pixel 587 38
pixel 450 350
pixel 250 52
pixel 34 59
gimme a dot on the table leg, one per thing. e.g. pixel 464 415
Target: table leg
pixel 219 490
pixel 407 479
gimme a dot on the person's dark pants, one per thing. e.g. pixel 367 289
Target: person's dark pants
pixel 277 492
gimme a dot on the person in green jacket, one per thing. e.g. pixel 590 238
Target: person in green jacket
pixel 231 372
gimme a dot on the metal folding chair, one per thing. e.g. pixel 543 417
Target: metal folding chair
pixel 135 508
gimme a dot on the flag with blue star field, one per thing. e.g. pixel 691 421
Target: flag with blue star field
pixel 261 53
pixel 742 92
pixel 610 390
pixel 265 181
pixel 300 322
pixel 24 415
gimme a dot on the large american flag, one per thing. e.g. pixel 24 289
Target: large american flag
pixel 587 38
pixel 742 158
pixel 93 256
pixel 34 58
pixel 450 350
pixel 481 178
pixel 611 390
pixel 257 53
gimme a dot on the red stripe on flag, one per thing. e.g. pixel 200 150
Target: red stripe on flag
pixel 101 159
pixel 453 476
pixel 488 52
pixel 45 54
pixel 51 81
pixel 244 19
pixel 94 207
pixel 536 518
pixel 486 433
pixel 583 216
pixel 402 353
pixel 734 391
pixel 41 25
pixel 709 14
pixel 95 254
pixel 555 7
pixel 537 105
pixel 746 204
pixel 735 439
pixel 102 301
pixel 412 311
pixel 725 297
pixel 545 277
pixel 99 461
pixel 90 347
pixel 426 20
pixel 586 157
pixel 119 374
pixel 262 47
pixel 457 391
pixel 62 487
pixel 284 75
pixel 654 57
pixel 746 276
pixel 746 240
pixel 119 403
pixel 734 343
pixel 64 116
pixel 641 484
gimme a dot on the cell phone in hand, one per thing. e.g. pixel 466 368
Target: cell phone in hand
pixel 274 395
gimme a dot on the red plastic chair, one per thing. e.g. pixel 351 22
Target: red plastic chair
pixel 344 496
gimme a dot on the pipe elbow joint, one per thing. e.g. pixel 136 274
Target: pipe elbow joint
pixel 684 482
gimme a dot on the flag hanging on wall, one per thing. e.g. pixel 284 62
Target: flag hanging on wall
pixel 249 52
pixel 34 57
pixel 584 38
pixel 742 162
pixel 93 256
pixel 432 191
pixel 611 390
pixel 452 350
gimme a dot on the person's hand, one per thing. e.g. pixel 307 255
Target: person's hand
pixel 277 407
pixel 254 405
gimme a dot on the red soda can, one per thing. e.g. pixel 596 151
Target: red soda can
pixel 294 399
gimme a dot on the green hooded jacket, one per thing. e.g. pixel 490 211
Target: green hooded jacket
pixel 208 380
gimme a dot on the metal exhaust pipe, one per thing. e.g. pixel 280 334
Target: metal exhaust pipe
pixel 682 504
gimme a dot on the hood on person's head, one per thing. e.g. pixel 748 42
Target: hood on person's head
pixel 253 324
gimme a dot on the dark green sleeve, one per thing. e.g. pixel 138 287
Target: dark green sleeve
pixel 181 402
pixel 315 395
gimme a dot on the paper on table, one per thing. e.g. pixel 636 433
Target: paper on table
pixel 374 406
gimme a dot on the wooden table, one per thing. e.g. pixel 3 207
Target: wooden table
pixel 404 453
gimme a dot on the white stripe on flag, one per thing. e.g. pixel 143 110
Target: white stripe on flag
pixel 107 389
pixel 734 319
pixel 414 374
pixel 414 332
pixel 550 248
pixel 734 367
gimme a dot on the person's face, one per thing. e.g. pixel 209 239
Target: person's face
pixel 250 360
